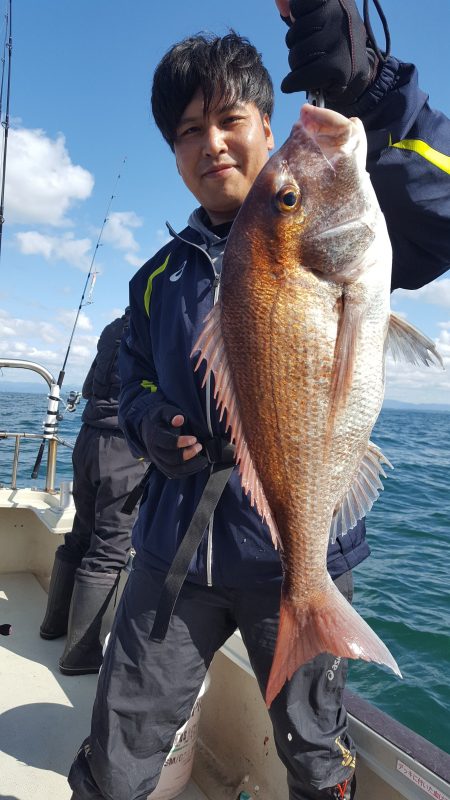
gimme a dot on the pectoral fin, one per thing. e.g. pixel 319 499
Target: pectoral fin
pixel 406 342
pixel 363 492
pixel 344 356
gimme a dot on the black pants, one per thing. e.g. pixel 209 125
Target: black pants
pixel 104 473
pixel 146 690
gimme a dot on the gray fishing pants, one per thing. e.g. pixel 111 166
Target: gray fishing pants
pixel 146 690
pixel 104 473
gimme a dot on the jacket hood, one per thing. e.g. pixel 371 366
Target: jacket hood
pixel 198 221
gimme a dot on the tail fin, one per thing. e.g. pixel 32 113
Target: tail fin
pixel 331 627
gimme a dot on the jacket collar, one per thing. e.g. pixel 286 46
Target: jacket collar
pixel 197 231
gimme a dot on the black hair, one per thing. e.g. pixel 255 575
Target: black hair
pixel 228 67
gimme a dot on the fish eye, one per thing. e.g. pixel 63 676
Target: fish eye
pixel 288 199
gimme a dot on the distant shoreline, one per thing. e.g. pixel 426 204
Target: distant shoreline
pixel 8 387
pixel 399 405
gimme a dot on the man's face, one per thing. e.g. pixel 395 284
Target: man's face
pixel 220 155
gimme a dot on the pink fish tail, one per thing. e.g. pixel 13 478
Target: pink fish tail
pixel 332 626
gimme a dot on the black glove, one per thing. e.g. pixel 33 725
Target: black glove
pixel 160 439
pixel 328 51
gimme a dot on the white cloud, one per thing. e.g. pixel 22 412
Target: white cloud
pixel 41 181
pixel 421 384
pixel 443 344
pixel 118 230
pixel 19 328
pixel 67 318
pixel 81 351
pixel 135 261
pixel 114 313
pixel 57 248
pixel 436 293
pixel 162 237
pixel 47 343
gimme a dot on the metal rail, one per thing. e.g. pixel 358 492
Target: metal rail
pixel 16 363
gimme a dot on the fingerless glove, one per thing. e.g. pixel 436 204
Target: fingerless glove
pixel 160 439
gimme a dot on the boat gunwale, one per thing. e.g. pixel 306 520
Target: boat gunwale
pixel 408 741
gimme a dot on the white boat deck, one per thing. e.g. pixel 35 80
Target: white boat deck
pixel 44 715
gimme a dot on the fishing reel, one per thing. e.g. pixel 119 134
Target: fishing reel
pixel 73 399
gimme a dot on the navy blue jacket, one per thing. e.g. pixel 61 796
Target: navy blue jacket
pixel 172 293
pixel 101 386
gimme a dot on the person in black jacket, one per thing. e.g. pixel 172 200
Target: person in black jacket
pixel 151 678
pixel 87 566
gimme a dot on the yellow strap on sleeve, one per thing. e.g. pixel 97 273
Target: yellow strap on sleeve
pixel 152 387
pixel 148 291
pixel 423 149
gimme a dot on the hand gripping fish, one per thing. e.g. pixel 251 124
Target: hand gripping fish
pixel 297 346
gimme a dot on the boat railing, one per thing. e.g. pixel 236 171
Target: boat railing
pixel 15 461
pixel 16 363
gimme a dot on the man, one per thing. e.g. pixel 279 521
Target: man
pixel 87 566
pixel 212 100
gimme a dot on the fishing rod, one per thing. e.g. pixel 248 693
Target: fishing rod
pixel 7 46
pixel 52 417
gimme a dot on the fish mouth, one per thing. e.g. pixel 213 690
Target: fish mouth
pixel 343 227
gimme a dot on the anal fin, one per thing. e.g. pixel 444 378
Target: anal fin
pixel 363 492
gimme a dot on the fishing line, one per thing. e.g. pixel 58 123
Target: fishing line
pixel 51 419
pixel 7 46
pixel 92 276
pixel 382 55
pixel 3 63
pixel 316 97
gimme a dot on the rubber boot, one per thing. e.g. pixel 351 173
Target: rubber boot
pixel 91 596
pixel 59 597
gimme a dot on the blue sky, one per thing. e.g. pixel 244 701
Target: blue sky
pixel 81 73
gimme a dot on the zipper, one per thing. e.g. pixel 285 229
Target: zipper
pixel 216 289
pixel 209 553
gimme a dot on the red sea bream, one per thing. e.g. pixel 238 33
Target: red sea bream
pixel 297 346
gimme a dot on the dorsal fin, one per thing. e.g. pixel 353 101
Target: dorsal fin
pixel 212 350
pixel 406 342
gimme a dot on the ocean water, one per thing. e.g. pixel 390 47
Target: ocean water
pixel 402 590
pixel 21 412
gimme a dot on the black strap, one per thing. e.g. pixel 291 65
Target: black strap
pixel 216 450
pixel 192 538
pixel 136 493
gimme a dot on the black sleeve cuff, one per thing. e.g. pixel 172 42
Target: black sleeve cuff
pixel 384 82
